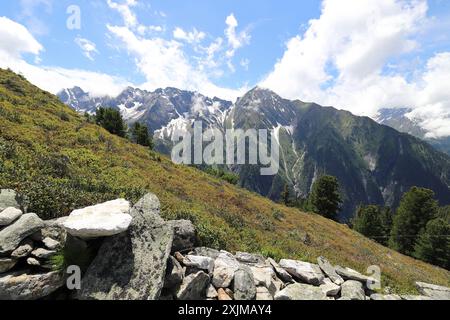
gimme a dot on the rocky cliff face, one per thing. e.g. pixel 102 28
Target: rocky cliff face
pixel 149 258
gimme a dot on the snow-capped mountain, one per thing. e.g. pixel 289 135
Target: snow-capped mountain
pixel 163 110
pixel 371 161
pixel 401 120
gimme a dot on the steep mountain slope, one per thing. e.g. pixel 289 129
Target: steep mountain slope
pixel 399 120
pixel 60 161
pixel 373 162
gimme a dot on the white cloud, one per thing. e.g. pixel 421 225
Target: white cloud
pixel 16 40
pixel 235 40
pixel 125 11
pixel 344 57
pixel 164 63
pixel 88 47
pixel 193 36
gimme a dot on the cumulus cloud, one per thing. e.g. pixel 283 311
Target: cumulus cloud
pixel 16 40
pixel 235 40
pixel 88 47
pixel 124 9
pixel 164 62
pixel 345 59
pixel 193 36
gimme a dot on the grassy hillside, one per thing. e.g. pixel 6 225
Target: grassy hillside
pixel 60 162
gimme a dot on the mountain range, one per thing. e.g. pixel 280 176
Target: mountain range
pixel 375 164
pixel 401 120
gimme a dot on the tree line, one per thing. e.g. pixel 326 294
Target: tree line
pixel 112 121
pixel 418 227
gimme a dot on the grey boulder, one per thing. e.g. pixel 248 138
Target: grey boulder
pixel 132 265
pixel 329 270
pixel 7 264
pixel 12 235
pixel 41 253
pixel 194 287
pixel 304 271
pixel 244 284
pixel 249 258
pixel 350 274
pixel 185 235
pixel 9 215
pixel 330 288
pixel 282 274
pixel 263 294
pixel 174 274
pixel 22 286
pixel 433 291
pixel 225 266
pixel 24 250
pixel 353 290
pixel 205 252
pixel 199 262
pixel 299 291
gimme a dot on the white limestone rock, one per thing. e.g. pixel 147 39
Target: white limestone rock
pixel 9 215
pixel 102 220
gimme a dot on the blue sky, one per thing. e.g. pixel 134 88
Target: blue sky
pixel 359 55
pixel 269 24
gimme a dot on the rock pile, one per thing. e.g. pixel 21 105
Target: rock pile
pixel 143 257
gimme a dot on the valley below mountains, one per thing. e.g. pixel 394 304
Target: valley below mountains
pixel 374 163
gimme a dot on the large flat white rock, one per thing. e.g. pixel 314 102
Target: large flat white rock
pixel 102 220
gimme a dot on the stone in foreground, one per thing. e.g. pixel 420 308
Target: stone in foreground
pixel 224 268
pixel 433 291
pixel 350 274
pixel 9 215
pixel 132 265
pixel 329 270
pixel 299 291
pixel 353 290
pixel 304 271
pixel 263 294
pixel 194 287
pixel 12 235
pixel 330 288
pixel 15 286
pixel 282 274
pixel 102 220
pixel 199 262
pixel 185 235
pixel 7 264
pixel 23 250
pixel 244 284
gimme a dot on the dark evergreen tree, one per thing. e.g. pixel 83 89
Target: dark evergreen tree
pixel 325 198
pixel 417 207
pixel 367 221
pixel 111 120
pixel 433 244
pixel 374 222
pixel 140 135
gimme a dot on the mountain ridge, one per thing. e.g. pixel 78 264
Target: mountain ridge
pixel 369 159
